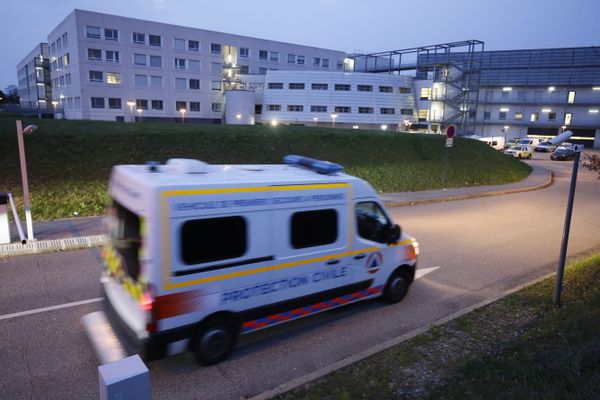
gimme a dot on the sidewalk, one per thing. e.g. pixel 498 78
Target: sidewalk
pixel 76 233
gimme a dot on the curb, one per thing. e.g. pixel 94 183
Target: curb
pixel 45 246
pixel 549 182
pixel 286 387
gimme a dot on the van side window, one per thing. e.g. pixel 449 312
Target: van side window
pixel 371 221
pixel 213 239
pixel 314 228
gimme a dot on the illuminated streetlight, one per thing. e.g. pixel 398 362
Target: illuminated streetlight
pixel 384 127
pixel 55 103
pixel 131 103
pixel 274 122
pixel 139 110
pixel 182 111
pixel 333 117
pixel 238 116
pixel 315 119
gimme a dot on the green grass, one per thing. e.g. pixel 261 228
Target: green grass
pixel 520 347
pixel 69 162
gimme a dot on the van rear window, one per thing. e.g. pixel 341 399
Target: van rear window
pixel 314 228
pixel 124 231
pixel 213 239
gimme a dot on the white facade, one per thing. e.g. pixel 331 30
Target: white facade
pixel 108 60
pixel 33 79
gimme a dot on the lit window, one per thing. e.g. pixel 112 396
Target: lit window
pixel 113 78
pixel 534 117
pixel 423 115
pixel 425 93
pixel 518 116
pixel 571 98
pixel 568 118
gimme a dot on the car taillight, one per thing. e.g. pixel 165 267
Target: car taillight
pixel 148 305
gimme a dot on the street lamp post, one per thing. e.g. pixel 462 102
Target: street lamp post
pixel 182 111
pixel 131 103
pixel 315 119
pixel 333 117
pixel 139 110
pixel 20 132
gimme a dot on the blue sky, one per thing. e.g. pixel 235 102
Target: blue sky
pixel 348 25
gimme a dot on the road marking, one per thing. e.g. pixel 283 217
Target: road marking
pixel 421 272
pixel 51 308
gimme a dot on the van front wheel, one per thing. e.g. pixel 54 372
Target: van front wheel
pixel 396 287
pixel 213 341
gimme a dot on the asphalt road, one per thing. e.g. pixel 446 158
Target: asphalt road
pixel 482 247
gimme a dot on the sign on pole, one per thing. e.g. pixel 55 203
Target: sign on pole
pixel 450 131
pixel 449 142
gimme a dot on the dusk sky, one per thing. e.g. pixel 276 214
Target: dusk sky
pixel 348 25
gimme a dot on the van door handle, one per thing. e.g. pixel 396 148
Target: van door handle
pixel 360 256
pixel 333 262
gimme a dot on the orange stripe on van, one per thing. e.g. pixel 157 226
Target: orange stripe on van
pixel 175 304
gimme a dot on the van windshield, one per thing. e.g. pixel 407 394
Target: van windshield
pixel 124 232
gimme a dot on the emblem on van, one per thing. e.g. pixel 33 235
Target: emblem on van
pixel 373 262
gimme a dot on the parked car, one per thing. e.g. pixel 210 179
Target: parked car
pixel 511 143
pixel 545 147
pixel 533 143
pixel 563 153
pixel 519 151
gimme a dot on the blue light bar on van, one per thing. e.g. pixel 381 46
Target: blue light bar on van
pixel 322 167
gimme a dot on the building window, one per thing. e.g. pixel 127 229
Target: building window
pixel 325 63
pixel 215 48
pixel 141 104
pixel 551 116
pixel 274 107
pixel 244 70
pixel 216 85
pixel 318 108
pixel 487 115
pixel 568 118
pixel 296 86
pixel 114 103
pixel 365 110
pixel 571 98
pixel 179 44
pixel 342 109
pixel 215 68
pixel 502 115
pixel 291 59
pixel 275 85
pixel 157 105
pixel 193 45
pixel 195 84
pixel 156 81
pixel 195 106
pixel 295 108
pixel 91 32
pixel 96 76
pixel 65 41
pixel 339 64
pixel 112 56
pixel 258 109
pixel 423 115
pixel 425 93
pixel 387 110
pixel 343 87
pixel 139 38
pixel 364 88
pixel 213 239
pixel 406 111
pixel 141 81
pixel 180 105
pixel 263 54
pixel 216 107
pixel 518 116
pixel 274 56
pixel 244 52
pixel 154 40
pixel 113 78
pixel 66 59
pixel 316 61
pixel 111 34
pixel 156 61
pixel 534 117
pixel 194 65
pixel 68 79
pixel 180 83
pixel 180 63
pixel 319 86
pixel 385 89
pixel 300 60
pixel 97 102
pixel 404 90
pixel 139 59
pixel 314 228
pixel 505 94
pixel 94 54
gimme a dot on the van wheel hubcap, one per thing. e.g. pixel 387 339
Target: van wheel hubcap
pixel 215 342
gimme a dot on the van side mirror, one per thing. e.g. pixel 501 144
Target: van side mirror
pixel 393 234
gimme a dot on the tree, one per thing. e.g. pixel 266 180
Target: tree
pixel 12 94
pixel 592 162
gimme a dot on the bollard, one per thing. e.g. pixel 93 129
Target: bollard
pixel 4 228
pixel 126 379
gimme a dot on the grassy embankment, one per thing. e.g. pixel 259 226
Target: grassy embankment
pixel 69 162
pixel 520 347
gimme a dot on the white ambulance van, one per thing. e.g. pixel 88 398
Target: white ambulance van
pixel 201 253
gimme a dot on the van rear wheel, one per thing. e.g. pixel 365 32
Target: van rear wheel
pixel 214 340
pixel 396 287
